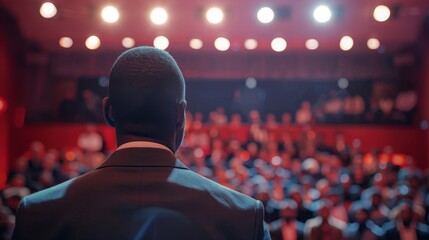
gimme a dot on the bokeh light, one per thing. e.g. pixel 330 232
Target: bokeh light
pixel 343 83
pixel 250 44
pixel 214 15
pixel 346 43
pixel 66 42
pixel 265 15
pixel 110 14
pixel 278 44
pixel 128 42
pixel 92 42
pixel 312 44
pixel 196 43
pixel 48 10
pixel 222 44
pixel 381 13
pixel 159 16
pixel 3 105
pixel 251 83
pixel 373 43
pixel 161 42
pixel 322 14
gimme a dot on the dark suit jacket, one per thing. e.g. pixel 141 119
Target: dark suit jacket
pixel 277 234
pixel 140 193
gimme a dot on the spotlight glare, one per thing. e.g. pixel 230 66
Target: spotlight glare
pixel 196 43
pixel 346 43
pixel 48 10
pixel 311 44
pixel 322 14
pixel 161 42
pixel 278 44
pixel 110 14
pixel 250 44
pixel 222 44
pixel 214 15
pixel 159 16
pixel 92 42
pixel 66 42
pixel 373 43
pixel 381 13
pixel 128 42
pixel 265 15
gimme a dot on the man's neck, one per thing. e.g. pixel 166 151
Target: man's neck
pixel 122 139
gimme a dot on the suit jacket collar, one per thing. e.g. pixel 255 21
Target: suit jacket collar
pixel 142 157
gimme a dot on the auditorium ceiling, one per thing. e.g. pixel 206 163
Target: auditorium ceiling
pixel 293 21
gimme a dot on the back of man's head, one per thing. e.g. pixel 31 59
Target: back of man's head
pixel 145 87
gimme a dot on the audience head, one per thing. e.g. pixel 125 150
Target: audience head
pixel 288 210
pixel 147 96
pixel 324 209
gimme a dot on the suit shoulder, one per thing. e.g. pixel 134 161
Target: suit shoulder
pixel 222 194
pixel 52 193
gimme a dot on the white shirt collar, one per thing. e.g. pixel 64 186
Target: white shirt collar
pixel 143 144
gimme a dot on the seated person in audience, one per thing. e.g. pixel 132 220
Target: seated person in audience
pixel 363 228
pixel 15 191
pixel 287 227
pixel 286 119
pixel 271 122
pixel 303 212
pixel 379 213
pixel 304 114
pixel 7 220
pixel 404 225
pixel 324 226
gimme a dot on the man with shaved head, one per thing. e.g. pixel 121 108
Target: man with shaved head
pixel 142 191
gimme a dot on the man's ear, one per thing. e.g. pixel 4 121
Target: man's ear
pixel 107 112
pixel 181 114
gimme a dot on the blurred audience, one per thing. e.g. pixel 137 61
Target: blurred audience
pixel 310 190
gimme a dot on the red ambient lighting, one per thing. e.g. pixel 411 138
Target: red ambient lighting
pixel 3 105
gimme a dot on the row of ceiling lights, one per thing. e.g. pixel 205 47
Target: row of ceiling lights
pixel 278 44
pixel 214 15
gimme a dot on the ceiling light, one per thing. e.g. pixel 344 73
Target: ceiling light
pixel 311 44
pixel 373 43
pixel 128 42
pixel 222 44
pixel 48 10
pixel 250 44
pixel 110 14
pixel 214 15
pixel 381 13
pixel 265 15
pixel 346 43
pixel 278 44
pixel 322 14
pixel 196 43
pixel 92 42
pixel 161 42
pixel 159 16
pixel 66 42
